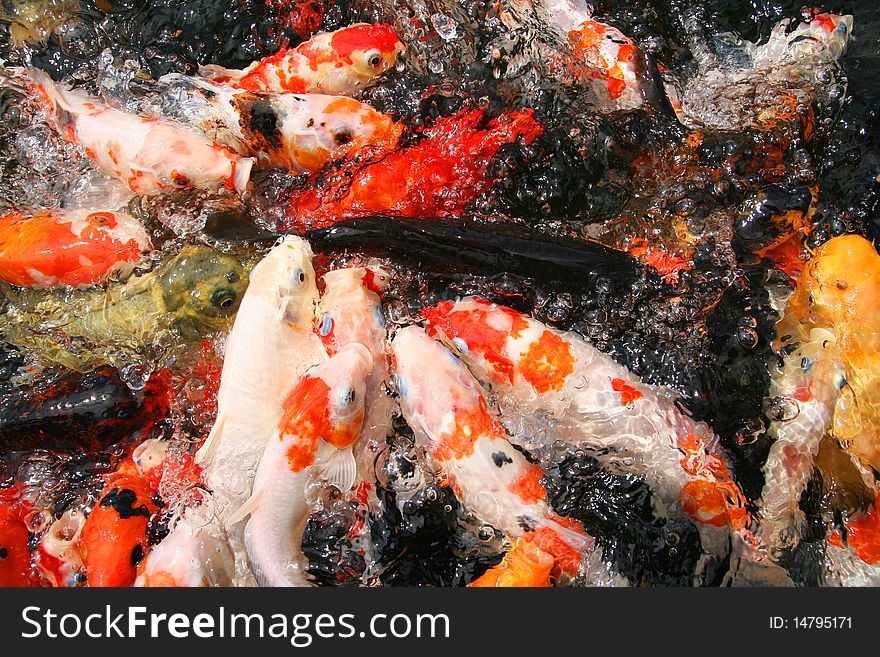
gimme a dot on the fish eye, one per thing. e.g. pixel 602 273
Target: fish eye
pixel 3 553
pixel 348 396
pixel 342 136
pixel 297 277
pixel 223 299
pixel 373 58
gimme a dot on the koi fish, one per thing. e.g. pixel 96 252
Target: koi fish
pixel 350 312
pixel 321 420
pixel 114 537
pixel 294 131
pixel 68 247
pixel 612 58
pixel 59 556
pixel 446 409
pixel 744 86
pixel 340 63
pixel 269 348
pixel 524 565
pixel 597 402
pixel 15 555
pixel 830 338
pixel 439 176
pixel 148 154
pixel 195 553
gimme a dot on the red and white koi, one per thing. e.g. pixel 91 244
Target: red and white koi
pixel 341 63
pixel 351 312
pixel 149 154
pixel 321 420
pixel 295 131
pixel 76 247
pixel 446 409
pixel 597 402
pixel 195 553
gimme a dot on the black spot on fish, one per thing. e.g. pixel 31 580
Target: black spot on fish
pixel 137 554
pixel 123 501
pixel 500 458
pixel 258 121
pixel 3 553
pixel 526 523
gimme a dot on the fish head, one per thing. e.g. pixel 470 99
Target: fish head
pixel 436 389
pixel 843 285
pixel 370 49
pixel 822 40
pixel 203 284
pixel 285 278
pixel 342 126
pixel 328 402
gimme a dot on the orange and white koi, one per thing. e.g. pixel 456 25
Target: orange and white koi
pixel 77 247
pixel 59 555
pixel 341 63
pixel 195 553
pixel 296 131
pixel 149 154
pixel 15 554
pixel 114 537
pixel 828 382
pixel 446 409
pixel 270 346
pixel 351 312
pixel 595 401
pixel 321 420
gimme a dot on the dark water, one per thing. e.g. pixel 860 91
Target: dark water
pixel 552 194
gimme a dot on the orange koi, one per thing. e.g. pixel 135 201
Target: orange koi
pixel 114 537
pixel 67 247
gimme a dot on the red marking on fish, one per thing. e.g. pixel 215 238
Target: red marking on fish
pixel 15 555
pixel 473 327
pixel 527 486
pixel 441 175
pixel 547 363
pixel 628 394
pixel 470 424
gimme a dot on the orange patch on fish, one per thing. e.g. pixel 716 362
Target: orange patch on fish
pixel 863 535
pixel 524 565
pixel 711 498
pixel 547 363
pixel 306 415
pixel 628 394
pixel 470 424
pixel 528 485
pixel 15 555
pixel 480 336
pixel 567 558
